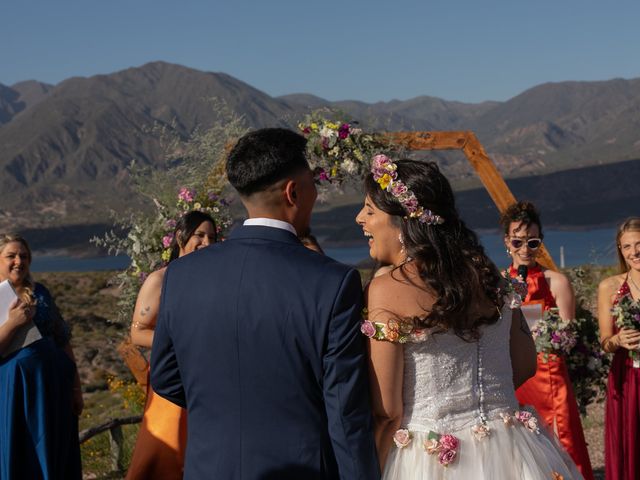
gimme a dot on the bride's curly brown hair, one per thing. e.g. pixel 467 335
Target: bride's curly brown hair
pixel 451 261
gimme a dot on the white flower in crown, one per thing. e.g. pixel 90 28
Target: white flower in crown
pixel 350 166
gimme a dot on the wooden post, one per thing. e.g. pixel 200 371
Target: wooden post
pixel 479 160
pixel 116 440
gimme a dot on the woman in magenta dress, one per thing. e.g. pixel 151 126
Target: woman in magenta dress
pixel 622 414
pixel 550 391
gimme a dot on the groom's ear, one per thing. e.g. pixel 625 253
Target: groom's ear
pixel 290 192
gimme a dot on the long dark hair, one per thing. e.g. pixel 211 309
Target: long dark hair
pixel 450 259
pixel 186 227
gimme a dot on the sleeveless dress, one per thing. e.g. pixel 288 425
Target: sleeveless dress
pixel 38 429
pixel 162 439
pixel 462 392
pixel 550 391
pixel 622 413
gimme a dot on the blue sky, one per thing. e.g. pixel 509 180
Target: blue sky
pixel 364 50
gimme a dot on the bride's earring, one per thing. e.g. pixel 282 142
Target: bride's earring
pixel 401 240
pixel 508 252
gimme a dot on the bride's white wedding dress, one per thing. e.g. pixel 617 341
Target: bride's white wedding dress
pixel 462 392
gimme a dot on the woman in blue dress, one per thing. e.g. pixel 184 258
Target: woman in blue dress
pixel 40 395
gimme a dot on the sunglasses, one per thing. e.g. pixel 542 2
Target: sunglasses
pixel 532 243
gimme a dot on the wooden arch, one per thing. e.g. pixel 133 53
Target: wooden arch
pixel 479 160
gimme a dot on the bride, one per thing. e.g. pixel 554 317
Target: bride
pixel 447 345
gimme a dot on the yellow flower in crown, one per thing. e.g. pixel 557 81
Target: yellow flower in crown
pixel 166 254
pixel 331 125
pixel 384 181
pixel 334 171
pixel 314 127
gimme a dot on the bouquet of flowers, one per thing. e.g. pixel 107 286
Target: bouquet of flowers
pixel 627 314
pixel 339 152
pixel 578 341
pixel 553 335
pixel 587 364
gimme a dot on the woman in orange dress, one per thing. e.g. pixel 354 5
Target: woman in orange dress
pixel 160 446
pixel 550 390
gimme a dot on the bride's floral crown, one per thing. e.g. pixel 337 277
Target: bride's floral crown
pixel 384 173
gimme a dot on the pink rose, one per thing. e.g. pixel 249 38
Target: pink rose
pixel 449 442
pixel 432 446
pixel 402 438
pixel 186 195
pixel 368 328
pixel 446 457
pixel 523 416
pixel 166 240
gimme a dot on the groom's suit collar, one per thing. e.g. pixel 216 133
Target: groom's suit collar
pixel 270 222
pixel 264 233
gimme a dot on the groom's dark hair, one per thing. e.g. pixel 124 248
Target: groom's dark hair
pixel 265 156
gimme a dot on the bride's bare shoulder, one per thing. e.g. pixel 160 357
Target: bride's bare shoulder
pixel 399 290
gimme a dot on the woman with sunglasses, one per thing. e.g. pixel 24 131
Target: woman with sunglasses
pixel 550 390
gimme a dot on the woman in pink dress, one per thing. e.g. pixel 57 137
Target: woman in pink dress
pixel 622 414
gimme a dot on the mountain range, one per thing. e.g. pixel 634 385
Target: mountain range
pixel 65 148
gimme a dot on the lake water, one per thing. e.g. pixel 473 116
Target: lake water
pixel 580 247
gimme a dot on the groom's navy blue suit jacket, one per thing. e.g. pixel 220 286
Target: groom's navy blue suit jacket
pixel 258 337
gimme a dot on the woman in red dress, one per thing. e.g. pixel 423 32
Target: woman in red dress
pixel 622 414
pixel 550 390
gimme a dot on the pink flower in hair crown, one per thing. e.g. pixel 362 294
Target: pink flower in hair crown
pixel 384 173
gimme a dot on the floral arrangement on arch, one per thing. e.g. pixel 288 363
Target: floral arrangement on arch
pixel 339 152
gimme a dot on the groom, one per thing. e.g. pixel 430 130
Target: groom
pixel 258 336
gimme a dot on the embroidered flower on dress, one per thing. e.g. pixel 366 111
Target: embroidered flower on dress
pixel 432 446
pixel 480 431
pixel 446 457
pixel 507 419
pixel 368 328
pixel 528 420
pixel 402 438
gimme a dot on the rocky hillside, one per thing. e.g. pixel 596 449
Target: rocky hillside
pixel 64 149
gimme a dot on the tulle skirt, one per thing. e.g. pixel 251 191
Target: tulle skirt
pixel 508 452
